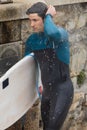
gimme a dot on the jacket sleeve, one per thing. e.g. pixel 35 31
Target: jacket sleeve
pixel 54 32
pixel 59 36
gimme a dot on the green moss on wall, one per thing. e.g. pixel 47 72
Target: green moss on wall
pixel 81 77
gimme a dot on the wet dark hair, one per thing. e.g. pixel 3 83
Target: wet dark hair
pixel 39 8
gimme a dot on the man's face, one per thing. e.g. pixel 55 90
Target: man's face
pixel 36 22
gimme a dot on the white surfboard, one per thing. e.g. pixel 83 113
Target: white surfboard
pixel 17 91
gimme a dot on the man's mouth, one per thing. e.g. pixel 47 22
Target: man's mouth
pixel 35 29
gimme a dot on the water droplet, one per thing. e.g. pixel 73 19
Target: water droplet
pixel 53 118
pixel 50 84
pixel 56 94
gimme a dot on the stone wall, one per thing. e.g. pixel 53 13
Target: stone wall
pixel 14 30
pixel 76 24
pixel 64 2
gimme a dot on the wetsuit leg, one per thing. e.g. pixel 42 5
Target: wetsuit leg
pixel 45 107
pixel 59 104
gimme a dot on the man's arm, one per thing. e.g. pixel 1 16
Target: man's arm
pixel 50 28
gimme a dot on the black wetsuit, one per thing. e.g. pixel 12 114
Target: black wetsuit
pixel 57 89
pixel 51 49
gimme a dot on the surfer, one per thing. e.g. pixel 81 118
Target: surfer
pixel 50 45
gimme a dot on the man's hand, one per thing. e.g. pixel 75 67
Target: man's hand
pixel 51 10
pixel 40 89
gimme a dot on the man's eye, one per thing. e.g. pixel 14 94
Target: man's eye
pixel 35 20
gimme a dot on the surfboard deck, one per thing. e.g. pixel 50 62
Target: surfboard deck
pixel 17 91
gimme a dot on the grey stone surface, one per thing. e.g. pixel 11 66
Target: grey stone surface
pixel 25 30
pixel 64 2
pixel 9 55
pixel 10 31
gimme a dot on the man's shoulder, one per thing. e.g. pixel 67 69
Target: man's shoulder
pixel 33 35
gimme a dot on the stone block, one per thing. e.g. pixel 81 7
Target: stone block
pixel 13 11
pixel 82 20
pixel 64 2
pixel 78 59
pixel 9 55
pixel 5 1
pixel 10 31
pixel 25 29
pixel 74 81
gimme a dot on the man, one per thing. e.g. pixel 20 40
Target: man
pixel 50 46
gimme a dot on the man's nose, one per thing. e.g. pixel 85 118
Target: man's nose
pixel 32 24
